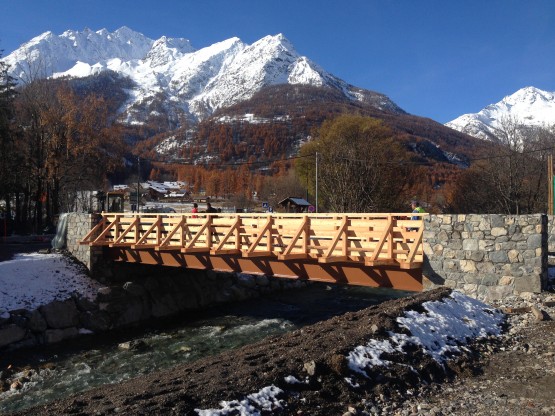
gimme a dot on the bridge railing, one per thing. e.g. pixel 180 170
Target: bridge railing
pixel 372 239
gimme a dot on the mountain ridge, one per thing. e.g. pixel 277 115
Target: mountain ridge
pixel 529 106
pixel 194 82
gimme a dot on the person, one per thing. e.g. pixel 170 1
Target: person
pixel 416 209
pixel 210 208
pixel 195 210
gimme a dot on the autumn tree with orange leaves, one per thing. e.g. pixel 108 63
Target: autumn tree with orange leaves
pixel 69 144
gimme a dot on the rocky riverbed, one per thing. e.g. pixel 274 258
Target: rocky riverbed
pixel 306 373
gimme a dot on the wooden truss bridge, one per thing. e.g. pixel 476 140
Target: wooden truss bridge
pixel 378 250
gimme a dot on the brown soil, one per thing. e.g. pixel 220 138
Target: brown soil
pixel 513 374
pixel 318 350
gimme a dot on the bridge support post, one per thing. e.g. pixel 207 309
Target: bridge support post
pixel 79 224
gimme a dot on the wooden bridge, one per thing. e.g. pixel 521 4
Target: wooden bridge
pixel 378 250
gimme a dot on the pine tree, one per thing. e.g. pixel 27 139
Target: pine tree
pixel 8 154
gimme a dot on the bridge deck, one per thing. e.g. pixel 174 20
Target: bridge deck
pixel 363 249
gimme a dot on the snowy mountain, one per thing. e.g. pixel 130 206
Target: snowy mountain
pixel 529 106
pixel 170 73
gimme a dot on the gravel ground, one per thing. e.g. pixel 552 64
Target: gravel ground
pixel 511 374
pixel 515 374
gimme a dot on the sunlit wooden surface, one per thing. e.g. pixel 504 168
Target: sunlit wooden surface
pixel 348 241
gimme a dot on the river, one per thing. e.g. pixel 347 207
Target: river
pixel 56 372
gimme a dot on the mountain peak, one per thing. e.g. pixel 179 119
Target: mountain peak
pixel 187 81
pixel 528 95
pixel 529 106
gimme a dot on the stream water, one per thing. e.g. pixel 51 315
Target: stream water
pixel 59 373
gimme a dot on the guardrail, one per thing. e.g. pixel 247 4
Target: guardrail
pixel 370 239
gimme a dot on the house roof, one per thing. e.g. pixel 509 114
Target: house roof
pixel 296 201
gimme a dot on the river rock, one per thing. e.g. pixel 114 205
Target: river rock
pixel 51 336
pixel 60 314
pixel 36 322
pixel 136 310
pixel 164 304
pixel 96 321
pixel 85 304
pixel 135 345
pixel 10 334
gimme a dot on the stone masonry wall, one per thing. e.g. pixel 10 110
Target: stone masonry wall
pixel 551 234
pixel 78 226
pixel 154 293
pixel 488 257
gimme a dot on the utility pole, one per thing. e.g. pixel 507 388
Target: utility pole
pixel 316 182
pixel 138 182
pixel 550 184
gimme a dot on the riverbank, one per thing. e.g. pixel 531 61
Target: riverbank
pixel 46 298
pixel 306 372
pixel 357 362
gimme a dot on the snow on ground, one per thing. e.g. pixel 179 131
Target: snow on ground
pixel 31 280
pixel 439 331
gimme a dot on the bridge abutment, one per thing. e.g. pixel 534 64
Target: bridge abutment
pixel 78 225
pixel 489 257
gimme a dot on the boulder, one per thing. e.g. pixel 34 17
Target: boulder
pixel 11 334
pixel 85 304
pixel 52 336
pixel 96 321
pixel 36 322
pixel 59 315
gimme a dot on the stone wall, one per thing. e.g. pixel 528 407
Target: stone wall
pixel 551 235
pixel 78 226
pixel 486 256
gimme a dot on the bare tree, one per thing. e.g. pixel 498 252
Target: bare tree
pixel 511 178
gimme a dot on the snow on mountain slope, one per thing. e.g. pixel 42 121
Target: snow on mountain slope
pixel 48 54
pixel 196 82
pixel 529 106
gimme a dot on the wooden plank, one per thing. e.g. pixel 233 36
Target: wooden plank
pixel 152 227
pixel 333 259
pixel 222 252
pixel 171 233
pixel 254 245
pixel 168 248
pixel 258 254
pixel 293 256
pixel 143 246
pixel 340 231
pixel 410 265
pixel 233 228
pixel 94 230
pixel 380 262
pixel 195 249
pixel 133 223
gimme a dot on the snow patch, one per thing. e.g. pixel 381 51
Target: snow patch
pixel 31 280
pixel 439 331
pixel 265 400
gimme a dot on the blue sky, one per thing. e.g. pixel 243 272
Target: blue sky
pixel 434 58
